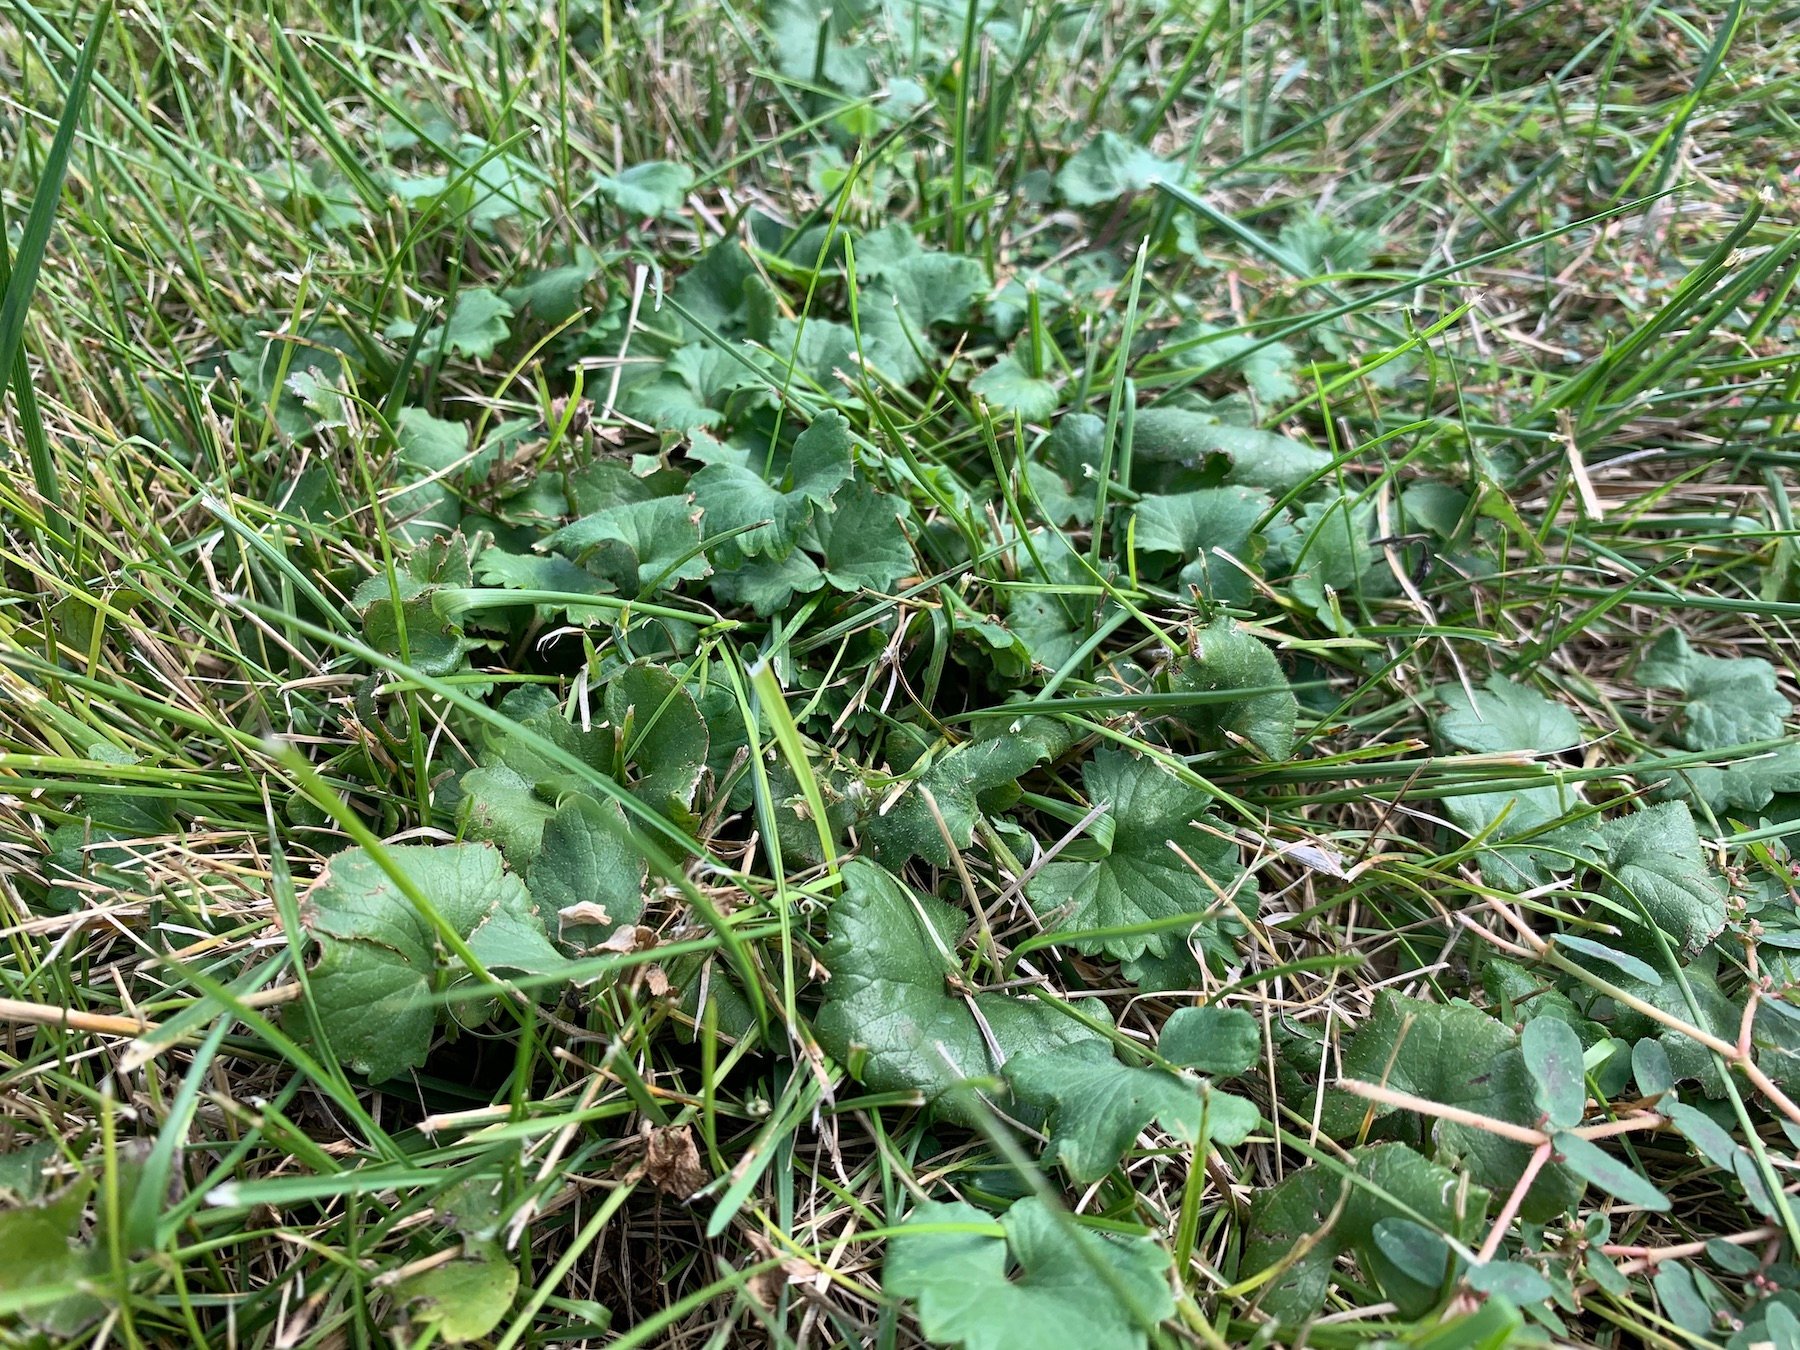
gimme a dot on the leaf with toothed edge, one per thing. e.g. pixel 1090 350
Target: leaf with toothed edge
pixel 1142 877
pixel 891 1015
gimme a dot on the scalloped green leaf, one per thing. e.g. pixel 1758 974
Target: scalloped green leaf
pixel 1098 1107
pixel 1142 877
pixel 890 1015
pixel 637 545
pixel 378 963
pixel 1026 1282
pixel 1504 716
pixel 1456 1055
pixel 1225 658
pixel 657 187
pixel 1110 167
pixel 1728 701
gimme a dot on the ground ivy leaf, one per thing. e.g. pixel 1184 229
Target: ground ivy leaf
pixel 1552 1054
pixel 1259 459
pixel 511 938
pixel 1295 1215
pixel 1658 875
pixel 734 495
pixel 1268 368
pixel 1011 388
pixel 1504 716
pixel 1057 501
pixel 716 291
pixel 1224 657
pixel 1189 526
pixel 1142 878
pixel 1457 1055
pixel 553 295
pixel 476 326
pixel 638 544
pixel 1695 998
pixel 1110 167
pixel 535 708
pixel 1336 553
pixel 504 186
pixel 463 1299
pixel 1032 1287
pixel 38 1248
pixel 1098 1107
pixel 864 544
pixel 889 1014
pixel 979 641
pixel 699 384
pixel 1747 784
pixel 602 483
pixel 378 960
pixel 1729 702
pixel 655 188
pixel 429 443
pixel 931 286
pixel 935 287
pixel 1040 621
pixel 1523 847
pixel 434 644
pixel 767 585
pixel 669 403
pixel 1223 1042
pixel 664 736
pixel 587 858
pixel 528 572
pixel 963 781
pixel 503 807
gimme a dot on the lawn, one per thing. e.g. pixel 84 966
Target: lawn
pixel 1000 675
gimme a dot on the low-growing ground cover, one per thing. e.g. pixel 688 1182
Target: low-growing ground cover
pixel 998 675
